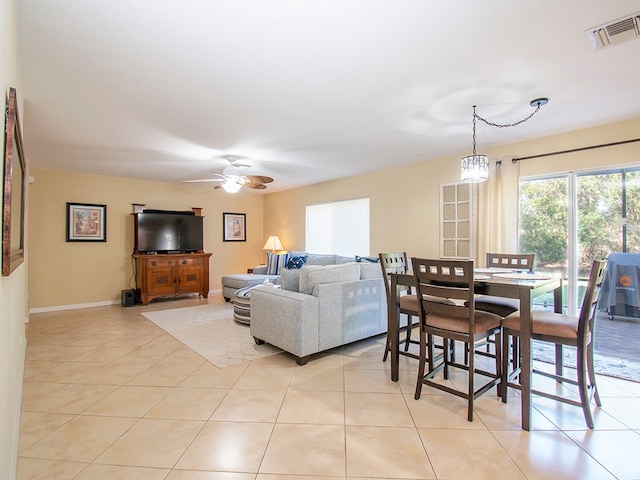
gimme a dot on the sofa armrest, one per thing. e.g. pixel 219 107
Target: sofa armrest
pixel 259 270
pixel 285 319
pixel 350 311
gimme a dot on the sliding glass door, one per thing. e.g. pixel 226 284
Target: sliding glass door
pixel 543 228
pixel 569 220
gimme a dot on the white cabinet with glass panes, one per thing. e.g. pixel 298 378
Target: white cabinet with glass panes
pixel 456 220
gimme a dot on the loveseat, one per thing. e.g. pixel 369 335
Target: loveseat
pixel 320 307
pixel 276 262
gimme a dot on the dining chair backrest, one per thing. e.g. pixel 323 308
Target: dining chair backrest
pixel 516 261
pixel 445 288
pixel 587 317
pixel 392 263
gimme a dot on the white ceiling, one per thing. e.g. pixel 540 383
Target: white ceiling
pixel 307 91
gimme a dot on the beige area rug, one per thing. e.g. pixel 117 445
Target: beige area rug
pixel 210 331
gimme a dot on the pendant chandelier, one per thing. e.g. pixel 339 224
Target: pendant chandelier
pixel 475 168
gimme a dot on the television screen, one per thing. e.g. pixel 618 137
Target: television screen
pixel 168 233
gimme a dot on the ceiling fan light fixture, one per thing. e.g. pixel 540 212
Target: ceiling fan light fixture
pixel 231 180
pixel 231 186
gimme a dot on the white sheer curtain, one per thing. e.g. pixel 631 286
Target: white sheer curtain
pixel 496 219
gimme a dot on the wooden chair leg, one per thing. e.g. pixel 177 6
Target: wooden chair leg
pixel 499 354
pixel 505 364
pixel 421 362
pixel 515 360
pixel 447 345
pixel 592 375
pixel 581 369
pixel 407 340
pixel 471 383
pixel 387 349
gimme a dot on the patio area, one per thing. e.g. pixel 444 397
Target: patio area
pixel 619 337
pixel 617 348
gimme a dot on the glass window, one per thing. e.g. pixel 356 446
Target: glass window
pixel 341 228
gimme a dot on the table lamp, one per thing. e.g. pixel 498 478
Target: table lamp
pixel 273 243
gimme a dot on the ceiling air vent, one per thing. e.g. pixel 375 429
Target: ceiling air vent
pixel 615 32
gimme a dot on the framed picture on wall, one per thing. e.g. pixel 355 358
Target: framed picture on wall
pixel 86 222
pixel 14 190
pixel 234 227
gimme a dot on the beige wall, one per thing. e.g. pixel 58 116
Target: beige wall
pixel 12 288
pixel 404 200
pixel 66 274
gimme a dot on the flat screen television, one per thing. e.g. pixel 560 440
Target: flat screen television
pixel 168 232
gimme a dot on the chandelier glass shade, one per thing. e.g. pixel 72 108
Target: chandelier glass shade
pixel 475 168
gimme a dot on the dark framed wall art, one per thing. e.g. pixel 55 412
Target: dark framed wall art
pixel 234 227
pixel 86 222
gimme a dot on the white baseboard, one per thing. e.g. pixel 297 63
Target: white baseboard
pixel 57 308
pixel 16 417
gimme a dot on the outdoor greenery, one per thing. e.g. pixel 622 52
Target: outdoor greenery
pixel 543 217
pixel 543 220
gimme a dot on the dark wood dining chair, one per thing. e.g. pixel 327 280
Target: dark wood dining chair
pixel 561 329
pixel 445 290
pixel 397 263
pixel 513 261
pixel 501 306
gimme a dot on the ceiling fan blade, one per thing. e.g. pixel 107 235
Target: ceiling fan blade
pixel 205 180
pixel 258 179
pixel 255 186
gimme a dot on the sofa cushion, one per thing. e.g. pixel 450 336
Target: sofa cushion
pixel 312 275
pixel 241 280
pixel 290 279
pixel 340 259
pixel 320 259
pixel 276 262
pixel 370 270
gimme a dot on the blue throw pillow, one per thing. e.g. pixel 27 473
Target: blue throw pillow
pixel 295 262
pixel 359 259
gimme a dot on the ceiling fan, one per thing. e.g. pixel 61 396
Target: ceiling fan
pixel 232 180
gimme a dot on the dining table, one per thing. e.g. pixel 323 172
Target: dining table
pixel 522 286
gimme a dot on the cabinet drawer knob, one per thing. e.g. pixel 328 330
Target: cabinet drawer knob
pixel 153 264
pixel 184 262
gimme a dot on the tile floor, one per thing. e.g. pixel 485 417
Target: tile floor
pixel 108 395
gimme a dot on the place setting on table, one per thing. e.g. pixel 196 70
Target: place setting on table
pixel 482 273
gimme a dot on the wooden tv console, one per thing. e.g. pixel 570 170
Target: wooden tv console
pixel 171 274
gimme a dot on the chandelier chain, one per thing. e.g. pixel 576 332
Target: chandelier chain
pixel 475 168
pixel 505 125
pixel 474 130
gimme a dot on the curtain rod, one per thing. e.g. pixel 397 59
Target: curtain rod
pixel 561 152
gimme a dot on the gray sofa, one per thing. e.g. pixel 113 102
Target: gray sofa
pixel 320 307
pixel 235 281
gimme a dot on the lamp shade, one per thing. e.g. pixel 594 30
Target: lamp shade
pixel 273 243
